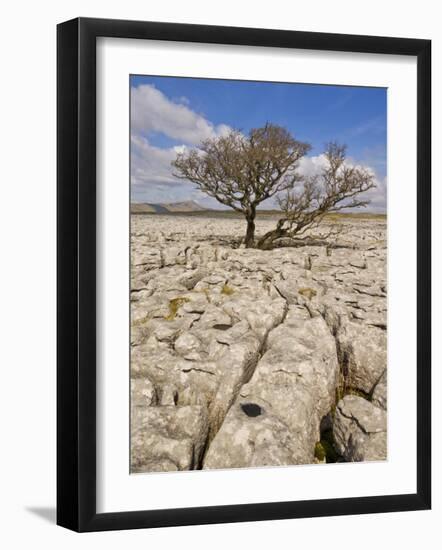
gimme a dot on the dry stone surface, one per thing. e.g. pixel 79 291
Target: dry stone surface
pixel 292 388
pixel 237 355
pixel 360 430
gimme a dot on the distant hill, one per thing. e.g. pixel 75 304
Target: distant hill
pixel 165 208
pixel 192 208
pixel 185 206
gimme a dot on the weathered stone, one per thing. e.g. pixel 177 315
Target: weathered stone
pixel 190 279
pixel 294 383
pixel 360 430
pixel 216 328
pixel 214 317
pixel 166 331
pixel 174 255
pixel 171 438
pixel 188 346
pixel 289 291
pixel 143 393
pixel 234 333
pixel 138 334
pixel 169 395
pixel 195 304
pixel 236 366
pixel 362 353
pixel 251 438
pixel 379 395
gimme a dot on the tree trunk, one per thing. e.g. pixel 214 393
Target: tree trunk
pixel 249 240
pixel 267 240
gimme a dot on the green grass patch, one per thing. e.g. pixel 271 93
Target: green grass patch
pixel 227 290
pixel 141 321
pixel 308 293
pixel 324 449
pixel 174 306
pixel 319 451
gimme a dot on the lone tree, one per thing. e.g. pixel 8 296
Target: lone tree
pixel 242 171
pixel 335 188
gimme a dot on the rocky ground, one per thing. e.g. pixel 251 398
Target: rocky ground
pixel 244 358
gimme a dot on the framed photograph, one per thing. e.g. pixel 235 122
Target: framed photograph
pixel 243 274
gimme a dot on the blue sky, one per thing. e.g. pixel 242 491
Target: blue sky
pixel 168 113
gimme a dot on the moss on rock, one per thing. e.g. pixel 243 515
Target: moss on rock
pixel 308 293
pixel 227 290
pixel 174 306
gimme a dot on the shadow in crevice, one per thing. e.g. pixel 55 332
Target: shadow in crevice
pixel 45 512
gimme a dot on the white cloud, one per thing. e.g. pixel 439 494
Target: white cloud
pixel 309 166
pixel 377 196
pixel 152 111
pixel 151 171
pixel 150 164
pixel 153 181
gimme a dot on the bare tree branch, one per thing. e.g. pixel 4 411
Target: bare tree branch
pixel 336 188
pixel 242 171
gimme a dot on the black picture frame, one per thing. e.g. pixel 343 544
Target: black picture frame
pixel 77 287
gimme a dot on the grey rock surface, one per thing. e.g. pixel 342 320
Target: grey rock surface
pixel 215 326
pixel 362 351
pixel 360 430
pixel 167 438
pixel 379 394
pixel 294 387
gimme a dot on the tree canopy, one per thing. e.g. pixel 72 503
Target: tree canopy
pixel 338 186
pixel 241 171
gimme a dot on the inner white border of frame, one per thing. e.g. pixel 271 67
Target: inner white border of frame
pixel 117 490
